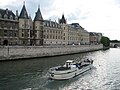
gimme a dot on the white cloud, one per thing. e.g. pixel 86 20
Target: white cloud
pixel 94 15
pixel 6 2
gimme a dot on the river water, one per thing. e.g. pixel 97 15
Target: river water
pixel 32 74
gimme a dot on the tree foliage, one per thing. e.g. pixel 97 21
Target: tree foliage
pixel 105 41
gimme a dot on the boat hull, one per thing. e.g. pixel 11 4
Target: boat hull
pixel 69 74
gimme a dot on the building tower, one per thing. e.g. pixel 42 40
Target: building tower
pixel 38 28
pixel 25 27
pixel 62 20
pixel 64 25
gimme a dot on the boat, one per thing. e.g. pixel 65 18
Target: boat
pixel 70 69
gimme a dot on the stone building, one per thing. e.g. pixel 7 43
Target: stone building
pixel 99 37
pixel 84 37
pixel 53 33
pixel 38 25
pixel 73 34
pixel 25 27
pixel 22 30
pixel 8 27
pixel 95 37
pixel 64 26
pixel 77 35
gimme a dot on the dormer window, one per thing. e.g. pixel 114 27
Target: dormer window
pixel 5 16
pixel 16 17
pixel 53 25
pixel 11 17
pixel 44 24
pixel 47 24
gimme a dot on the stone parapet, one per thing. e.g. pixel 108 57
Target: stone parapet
pixel 20 52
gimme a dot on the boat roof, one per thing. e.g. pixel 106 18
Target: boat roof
pixel 69 61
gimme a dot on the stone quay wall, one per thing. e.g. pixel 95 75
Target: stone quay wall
pixel 22 52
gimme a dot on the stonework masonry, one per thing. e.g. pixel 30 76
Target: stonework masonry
pixel 20 52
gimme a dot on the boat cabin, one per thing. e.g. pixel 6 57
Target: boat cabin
pixel 68 63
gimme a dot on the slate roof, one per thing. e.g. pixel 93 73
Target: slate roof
pixel 93 34
pixel 76 26
pixel 53 24
pixel 38 16
pixel 8 13
pixel 23 13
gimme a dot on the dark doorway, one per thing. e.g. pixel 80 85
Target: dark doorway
pixel 5 42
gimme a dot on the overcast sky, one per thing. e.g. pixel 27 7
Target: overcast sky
pixel 93 15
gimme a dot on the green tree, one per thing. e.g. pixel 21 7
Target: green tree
pixel 105 41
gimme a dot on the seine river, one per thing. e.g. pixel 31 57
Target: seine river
pixel 32 74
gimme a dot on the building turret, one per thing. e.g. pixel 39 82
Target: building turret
pixel 64 25
pixel 62 20
pixel 23 13
pixel 38 28
pixel 25 27
pixel 38 16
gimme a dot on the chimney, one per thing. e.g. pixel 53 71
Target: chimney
pixel 7 11
pixel 17 13
pixel 50 22
pixel 55 23
pixel 58 20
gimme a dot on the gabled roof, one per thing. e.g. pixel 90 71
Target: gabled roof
pixel 38 16
pixel 23 13
pixel 8 13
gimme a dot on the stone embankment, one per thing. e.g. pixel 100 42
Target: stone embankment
pixel 20 52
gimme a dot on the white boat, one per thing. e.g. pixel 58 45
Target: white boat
pixel 70 69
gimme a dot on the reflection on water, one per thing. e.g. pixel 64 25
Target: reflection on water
pixel 32 74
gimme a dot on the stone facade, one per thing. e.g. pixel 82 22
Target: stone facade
pixel 8 27
pixel 43 51
pixel 25 27
pixel 85 37
pixel 94 37
pixel 73 35
pixel 38 25
pixel 53 33
pixel 64 26
pixel 22 30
